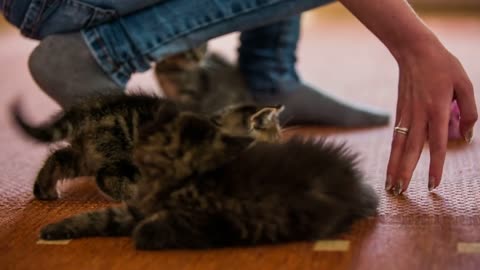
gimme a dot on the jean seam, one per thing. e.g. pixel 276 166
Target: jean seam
pixel 38 8
pixel 201 26
pixel 97 46
pixel 33 15
pixel 96 11
pixel 121 70
pixel 115 73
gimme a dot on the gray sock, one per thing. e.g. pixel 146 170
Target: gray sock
pixel 307 106
pixel 64 68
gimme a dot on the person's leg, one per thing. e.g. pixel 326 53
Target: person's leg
pixel 267 54
pixel 267 58
pixel 38 19
pixel 130 43
pixel 62 64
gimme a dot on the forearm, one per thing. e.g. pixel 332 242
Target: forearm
pixel 395 23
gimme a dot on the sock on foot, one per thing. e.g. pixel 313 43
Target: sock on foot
pixel 64 69
pixel 307 106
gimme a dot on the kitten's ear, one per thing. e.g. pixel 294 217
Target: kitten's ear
pixel 280 108
pixel 265 115
pixel 195 129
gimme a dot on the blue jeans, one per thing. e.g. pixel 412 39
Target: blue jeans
pixel 127 36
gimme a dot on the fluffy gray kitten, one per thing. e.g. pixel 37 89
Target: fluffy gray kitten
pixel 271 193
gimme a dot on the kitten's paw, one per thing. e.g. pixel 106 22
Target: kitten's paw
pixel 42 194
pixel 56 231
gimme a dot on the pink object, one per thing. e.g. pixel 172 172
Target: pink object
pixel 454 123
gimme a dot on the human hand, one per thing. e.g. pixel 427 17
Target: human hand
pixel 430 79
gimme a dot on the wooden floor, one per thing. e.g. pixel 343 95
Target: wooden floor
pixel 420 230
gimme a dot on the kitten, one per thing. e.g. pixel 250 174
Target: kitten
pixel 187 77
pixel 271 193
pixel 181 69
pixel 111 138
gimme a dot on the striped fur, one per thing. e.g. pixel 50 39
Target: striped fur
pixel 119 139
pixel 271 193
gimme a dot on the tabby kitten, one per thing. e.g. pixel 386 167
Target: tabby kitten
pixel 187 77
pixel 270 193
pixel 112 138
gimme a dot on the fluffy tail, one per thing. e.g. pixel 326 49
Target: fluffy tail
pixel 56 130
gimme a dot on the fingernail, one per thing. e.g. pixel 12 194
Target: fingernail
pixel 432 184
pixel 388 183
pixel 469 136
pixel 398 189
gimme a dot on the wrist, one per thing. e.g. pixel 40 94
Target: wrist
pixel 410 49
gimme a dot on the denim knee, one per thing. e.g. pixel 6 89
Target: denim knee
pixel 39 18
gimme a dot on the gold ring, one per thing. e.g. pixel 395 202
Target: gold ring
pixel 401 130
